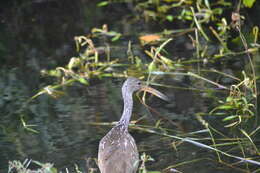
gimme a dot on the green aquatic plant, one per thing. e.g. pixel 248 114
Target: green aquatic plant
pixel 88 65
pixel 97 32
pixel 145 158
pixel 24 167
pixel 19 167
pixel 239 105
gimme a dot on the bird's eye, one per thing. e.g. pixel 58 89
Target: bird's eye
pixel 139 83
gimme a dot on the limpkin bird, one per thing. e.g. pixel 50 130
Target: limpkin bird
pixel 117 150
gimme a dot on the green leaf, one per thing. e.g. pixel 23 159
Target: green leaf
pixel 225 107
pixel 248 3
pixel 103 3
pixel 220 113
pixel 229 99
pixel 230 118
pixel 115 38
pixel 152 66
pixel 54 170
pixel 169 18
pixel 74 62
pixel 218 11
pixel 83 81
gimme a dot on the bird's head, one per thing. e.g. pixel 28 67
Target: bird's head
pixel 133 84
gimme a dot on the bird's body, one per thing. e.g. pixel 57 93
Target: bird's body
pixel 117 149
pixel 118 143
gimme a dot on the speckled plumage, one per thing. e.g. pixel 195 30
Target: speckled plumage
pixel 118 152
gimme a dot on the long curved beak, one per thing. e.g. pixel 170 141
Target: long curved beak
pixel 155 92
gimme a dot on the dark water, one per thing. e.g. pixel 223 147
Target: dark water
pixel 39 36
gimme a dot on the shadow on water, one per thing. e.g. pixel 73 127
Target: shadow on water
pixel 40 36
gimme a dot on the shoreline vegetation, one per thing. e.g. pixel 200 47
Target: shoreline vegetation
pixel 216 34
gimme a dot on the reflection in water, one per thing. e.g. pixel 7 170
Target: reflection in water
pixel 62 125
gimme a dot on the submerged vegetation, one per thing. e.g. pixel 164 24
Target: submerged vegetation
pixel 218 37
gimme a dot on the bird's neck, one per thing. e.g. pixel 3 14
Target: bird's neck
pixel 128 107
